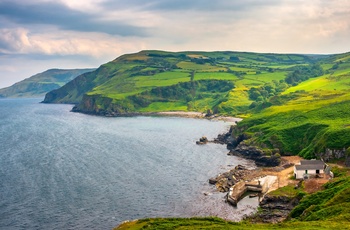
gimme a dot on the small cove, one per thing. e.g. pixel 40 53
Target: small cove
pixel 63 170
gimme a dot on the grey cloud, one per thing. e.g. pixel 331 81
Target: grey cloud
pixel 200 5
pixel 65 18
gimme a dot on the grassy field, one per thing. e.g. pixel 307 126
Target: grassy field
pixel 216 223
pixel 306 118
pixel 136 74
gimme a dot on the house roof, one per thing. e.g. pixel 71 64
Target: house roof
pixel 309 167
pixel 311 162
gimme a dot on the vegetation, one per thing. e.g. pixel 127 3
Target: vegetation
pixel 216 223
pixel 306 118
pixel 42 83
pixel 288 191
pixel 332 203
pixel 138 74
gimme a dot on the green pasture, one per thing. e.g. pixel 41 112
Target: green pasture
pixel 160 79
pixel 199 67
pixel 217 223
pixel 165 106
pixel 215 76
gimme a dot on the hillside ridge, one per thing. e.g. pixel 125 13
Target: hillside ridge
pixel 40 84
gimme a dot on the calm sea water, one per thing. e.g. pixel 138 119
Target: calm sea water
pixel 64 170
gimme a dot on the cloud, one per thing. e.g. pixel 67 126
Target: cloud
pixel 63 17
pixel 193 5
pixel 20 41
pixel 96 31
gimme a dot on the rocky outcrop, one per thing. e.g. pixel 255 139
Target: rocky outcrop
pixel 331 154
pixel 225 138
pixel 203 140
pixel 225 181
pixel 274 209
pixel 335 154
pixel 256 154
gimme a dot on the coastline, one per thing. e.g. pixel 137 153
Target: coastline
pixel 199 115
pixel 186 114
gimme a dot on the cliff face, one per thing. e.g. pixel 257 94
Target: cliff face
pixel 73 91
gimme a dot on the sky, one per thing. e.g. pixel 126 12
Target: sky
pixel 36 35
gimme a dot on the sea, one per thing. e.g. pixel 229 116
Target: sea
pixel 65 170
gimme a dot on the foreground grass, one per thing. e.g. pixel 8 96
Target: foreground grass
pixel 216 223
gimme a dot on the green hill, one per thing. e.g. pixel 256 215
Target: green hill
pixel 41 83
pixel 151 81
pixel 295 104
pixel 307 118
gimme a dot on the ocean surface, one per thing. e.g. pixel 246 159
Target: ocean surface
pixel 64 170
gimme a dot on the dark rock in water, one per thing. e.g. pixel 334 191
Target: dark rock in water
pixel 202 141
pixel 213 180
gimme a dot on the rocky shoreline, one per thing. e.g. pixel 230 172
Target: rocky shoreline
pixel 273 209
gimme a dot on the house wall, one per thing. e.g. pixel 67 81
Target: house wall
pixel 300 173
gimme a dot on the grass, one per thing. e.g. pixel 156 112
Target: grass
pixel 287 191
pixel 199 67
pixel 134 74
pixel 165 106
pixel 216 223
pixel 215 76
pixel 332 203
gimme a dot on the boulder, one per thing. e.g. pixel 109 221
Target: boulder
pixel 203 140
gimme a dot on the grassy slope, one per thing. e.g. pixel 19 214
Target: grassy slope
pixel 308 117
pixel 42 83
pixel 216 223
pixel 134 74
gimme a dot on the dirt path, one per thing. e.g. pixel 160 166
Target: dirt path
pixel 284 175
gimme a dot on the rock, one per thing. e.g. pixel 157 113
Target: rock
pixel 331 154
pixel 202 141
pixel 274 209
pixel 256 154
pixel 267 161
pixel 213 180
pixel 240 167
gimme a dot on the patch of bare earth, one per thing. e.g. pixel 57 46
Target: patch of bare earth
pixel 314 184
pixel 284 172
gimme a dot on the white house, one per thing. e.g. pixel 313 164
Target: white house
pixel 307 168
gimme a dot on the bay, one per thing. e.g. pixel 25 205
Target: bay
pixel 64 170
